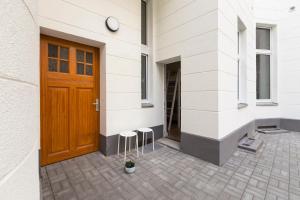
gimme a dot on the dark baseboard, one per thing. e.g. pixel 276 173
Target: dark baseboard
pixel 290 124
pixel 109 144
pixel 201 147
pixel 284 123
pixel 213 150
pixel 229 143
pixel 269 122
pixel 219 151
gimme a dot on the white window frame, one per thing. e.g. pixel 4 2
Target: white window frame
pixel 147 21
pixel 147 50
pixel 239 66
pixel 147 83
pixel 242 63
pixel 269 53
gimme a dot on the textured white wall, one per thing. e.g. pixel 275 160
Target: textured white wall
pixel 189 29
pixel 288 40
pixel 230 117
pixel 19 100
pixel 289 60
pixel 269 12
pixel 203 34
pixel 121 91
pixel 273 12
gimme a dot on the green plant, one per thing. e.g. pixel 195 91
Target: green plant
pixel 129 164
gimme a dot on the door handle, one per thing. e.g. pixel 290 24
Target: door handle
pixel 97 104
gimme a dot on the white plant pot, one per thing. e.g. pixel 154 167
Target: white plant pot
pixel 129 170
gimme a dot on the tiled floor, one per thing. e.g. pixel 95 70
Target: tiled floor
pixel 273 173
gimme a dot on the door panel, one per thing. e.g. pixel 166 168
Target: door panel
pixel 69 87
pixel 85 117
pixel 58 124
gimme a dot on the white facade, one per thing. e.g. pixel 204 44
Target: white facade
pixel 19 100
pixel 201 34
pixel 288 42
pixel 189 30
pixel 289 62
pixel 230 117
pixel 285 40
pixel 120 57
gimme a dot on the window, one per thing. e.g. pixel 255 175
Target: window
pixel 263 63
pixel 241 63
pixel 144 22
pixel 144 71
pixel 146 52
pixel 58 58
pixel 238 64
pixel 84 62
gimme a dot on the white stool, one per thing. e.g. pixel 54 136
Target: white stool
pixel 129 135
pixel 145 131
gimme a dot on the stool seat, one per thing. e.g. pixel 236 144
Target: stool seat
pixel 145 130
pixel 128 134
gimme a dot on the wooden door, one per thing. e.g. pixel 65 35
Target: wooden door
pixel 69 91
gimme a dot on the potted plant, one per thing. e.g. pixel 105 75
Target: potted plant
pixel 129 167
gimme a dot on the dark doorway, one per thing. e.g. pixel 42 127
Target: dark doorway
pixel 172 100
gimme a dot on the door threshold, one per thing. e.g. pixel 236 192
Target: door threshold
pixel 169 143
pixel 176 139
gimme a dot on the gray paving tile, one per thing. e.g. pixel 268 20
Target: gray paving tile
pixel 271 173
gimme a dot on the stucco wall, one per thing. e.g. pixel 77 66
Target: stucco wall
pixel 188 29
pixel 289 60
pixel 230 117
pixel 288 30
pixel 269 12
pixel 19 100
pixel 203 35
pixel 121 66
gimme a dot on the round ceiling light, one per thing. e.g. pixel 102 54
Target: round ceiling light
pixel 112 24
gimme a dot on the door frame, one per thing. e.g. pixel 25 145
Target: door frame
pixel 165 132
pixel 165 124
pixel 43 87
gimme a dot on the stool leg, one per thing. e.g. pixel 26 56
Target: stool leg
pixel 118 145
pixel 129 146
pixel 143 144
pixel 125 149
pixel 153 140
pixel 136 145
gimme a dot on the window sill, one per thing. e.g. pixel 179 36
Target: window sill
pixel 147 105
pixel 266 104
pixel 242 105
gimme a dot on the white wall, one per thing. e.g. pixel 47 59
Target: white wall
pixel 289 60
pixel 203 34
pixel 286 37
pixel 19 100
pixel 288 41
pixel 121 70
pixel 189 29
pixel 230 117
pixel 269 12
